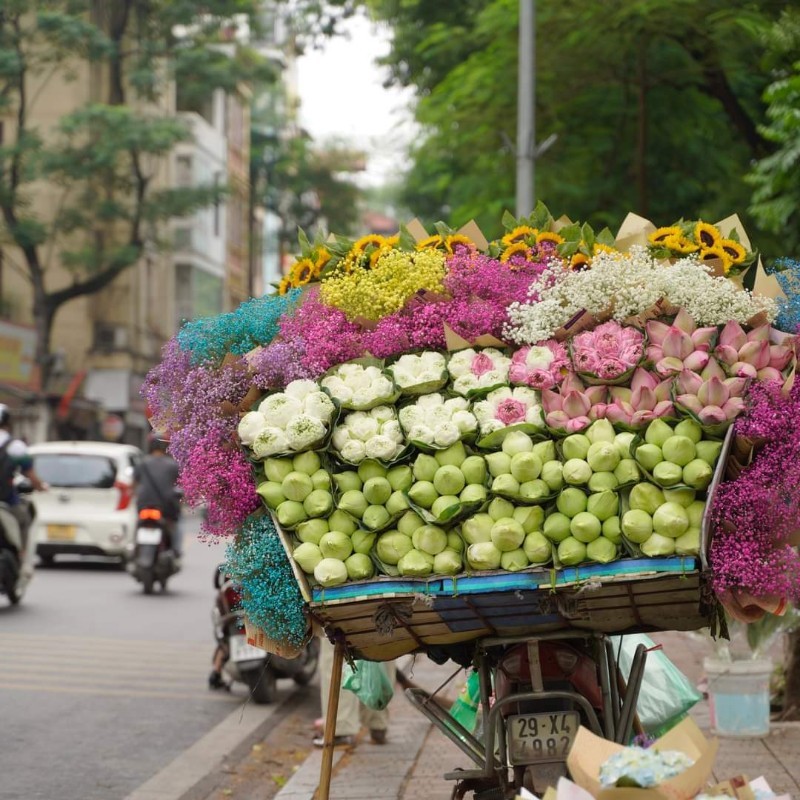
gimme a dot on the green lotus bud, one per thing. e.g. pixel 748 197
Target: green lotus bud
pixel 646 497
pixel 603 505
pixel 448 480
pixel 363 541
pixel 453 456
pixel 585 527
pixel 409 522
pixel 680 495
pixel 377 491
pixel 429 539
pixel 499 508
pixel 603 456
pixel 307 462
pixel 353 502
pixel 341 521
pixel 623 442
pixel 397 503
pixel 577 472
pixel 474 469
pixel 392 546
pixel 575 446
pixel 276 469
pixel 690 429
pixel 307 555
pixel 441 508
pixel 375 517
pixel 400 478
pixel 513 560
pixel 423 494
pixel 603 482
pixel 698 474
pixel 637 525
pixel 517 442
pixel 506 484
pixel 627 471
pixel 319 503
pixel 369 468
pixel 707 450
pixel 272 493
pixel 537 547
pixel 498 463
pixel 571 552
pixel 533 491
pixel 525 466
pixel 477 528
pixel 612 530
pixel 483 555
pixel 448 562
pixel 454 541
pixel 671 520
pixel 657 432
pixel 600 430
pixel 658 545
pixel 321 479
pixel 428 558
pixel 556 527
pixel 667 474
pixel 330 572
pixel 297 486
pixel 545 451
pixel 553 475
pixel 336 545
pixel 290 513
pixel 473 493
pixel 649 456
pixel 425 467
pixel 347 481
pixel 679 450
pixel 359 567
pixel 530 517
pixel 688 544
pixel 507 534
pixel 414 565
pixel 601 550
pixel 311 530
pixel 695 513
pixel 571 502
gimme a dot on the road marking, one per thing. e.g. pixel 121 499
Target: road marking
pixel 86 676
pixel 39 687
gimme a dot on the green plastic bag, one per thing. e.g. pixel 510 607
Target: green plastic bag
pixel 369 682
pixel 465 708
pixel 666 694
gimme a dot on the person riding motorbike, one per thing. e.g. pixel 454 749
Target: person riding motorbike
pixel 156 487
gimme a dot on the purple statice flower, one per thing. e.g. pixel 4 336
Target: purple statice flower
pixel 474 275
pixel 418 326
pixel 474 317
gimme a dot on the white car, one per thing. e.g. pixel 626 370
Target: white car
pixel 90 506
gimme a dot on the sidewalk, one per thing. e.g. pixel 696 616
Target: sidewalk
pixel 411 765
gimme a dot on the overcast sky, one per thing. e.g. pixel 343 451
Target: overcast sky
pixel 342 95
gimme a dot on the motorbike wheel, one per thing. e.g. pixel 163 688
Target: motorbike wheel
pixel 263 685
pixel 310 659
pixel 148 580
pixel 14 596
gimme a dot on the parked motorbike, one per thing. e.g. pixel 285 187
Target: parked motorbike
pixel 243 663
pixel 153 560
pixel 16 556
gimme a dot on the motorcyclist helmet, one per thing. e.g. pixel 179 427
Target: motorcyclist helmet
pixel 155 442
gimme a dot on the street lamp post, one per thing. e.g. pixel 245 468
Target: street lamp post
pixel 526 113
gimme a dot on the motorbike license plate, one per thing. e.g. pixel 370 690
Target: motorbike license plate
pixel 535 738
pixel 148 536
pixel 61 533
pixel 241 651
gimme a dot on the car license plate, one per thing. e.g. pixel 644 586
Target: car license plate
pixel 61 533
pixel 242 651
pixel 148 536
pixel 534 738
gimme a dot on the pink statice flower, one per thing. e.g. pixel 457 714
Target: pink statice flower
pixel 541 366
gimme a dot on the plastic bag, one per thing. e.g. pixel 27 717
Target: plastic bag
pixel 465 708
pixel 369 682
pixel 666 694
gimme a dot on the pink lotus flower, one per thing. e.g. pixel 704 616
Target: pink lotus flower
pixel 714 399
pixel 750 355
pixel 481 364
pixel 575 407
pixel 679 346
pixel 608 351
pixel 511 412
pixel 541 366
pixel 646 400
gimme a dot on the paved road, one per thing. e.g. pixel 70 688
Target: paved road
pixel 101 686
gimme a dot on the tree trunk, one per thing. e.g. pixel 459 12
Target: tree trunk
pixel 791 692
pixel 43 322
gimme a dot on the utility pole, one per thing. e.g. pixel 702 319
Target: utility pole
pixel 526 113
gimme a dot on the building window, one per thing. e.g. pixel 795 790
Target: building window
pixel 183 171
pixel 184 307
pixel 217 204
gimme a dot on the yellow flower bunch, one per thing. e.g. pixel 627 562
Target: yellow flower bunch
pixel 396 276
pixel 685 238
pixel 305 269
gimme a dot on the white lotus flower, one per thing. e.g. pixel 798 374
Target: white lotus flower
pixel 340 437
pixel 354 451
pixel 318 404
pixel 304 431
pixel 300 388
pixel 504 407
pixel 471 369
pixel 421 433
pixel 465 383
pixel 382 413
pixel 279 408
pixel 539 357
pixel 392 430
pixel 270 442
pixel 363 428
pixel 410 416
pixel 465 421
pixel 446 434
pixel 428 401
pixel 457 404
pixel 250 425
pixel 381 447
pixel 410 370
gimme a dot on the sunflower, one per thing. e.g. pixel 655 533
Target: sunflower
pixel 579 262
pixel 736 252
pixel 376 254
pixel 435 242
pixel 706 235
pixel 519 234
pixel 680 245
pixel 393 241
pixel 284 285
pixel 549 236
pixel 323 257
pixel 659 236
pixel 371 240
pixel 714 253
pixel 517 249
pixel 302 272
pixel 603 248
pixel 456 238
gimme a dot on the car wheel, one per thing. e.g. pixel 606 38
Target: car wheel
pixel 147 582
pixel 47 560
pixel 263 685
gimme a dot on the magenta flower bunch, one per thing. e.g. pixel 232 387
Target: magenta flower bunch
pixel 608 352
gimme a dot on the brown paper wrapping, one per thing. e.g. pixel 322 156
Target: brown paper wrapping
pixel 634 230
pixel 257 638
pixel 475 234
pixel 562 222
pixel 455 342
pixel 582 321
pixel 738 787
pixel 417 230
